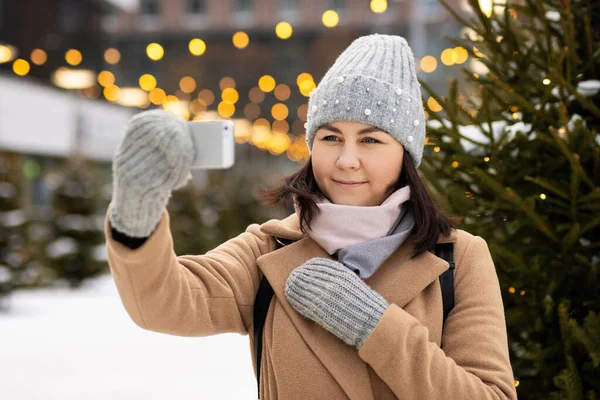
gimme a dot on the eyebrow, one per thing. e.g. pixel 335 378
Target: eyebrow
pixel 361 132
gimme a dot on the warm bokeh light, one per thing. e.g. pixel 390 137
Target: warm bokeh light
pixel 112 92
pixel 7 53
pixel 197 47
pixel 428 64
pixel 461 54
pixel 252 111
pixel 282 92
pixel 283 30
pixel 256 95
pixel 379 6
pixel 230 96
pixel 93 92
pixel 21 67
pixel 226 110
pixel 133 97
pixel 278 143
pixel 106 78
pixel 112 56
pixel 155 51
pixel 207 95
pixel 543 196
pixel 303 112
pixel 240 40
pixel 330 18
pixel 147 82
pixel 261 133
pixel 197 106
pixel 176 106
pixel 455 164
pixel 306 87
pixel 434 105
pixel 546 81
pixel 227 82
pixel 157 96
pixel 187 84
pixel 38 57
pixel 448 57
pixel 281 126
pixel 73 78
pixel 266 83
pixel 437 149
pixel 73 57
pixel 280 111
pixel 305 76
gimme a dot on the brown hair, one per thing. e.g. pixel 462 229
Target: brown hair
pixel 430 219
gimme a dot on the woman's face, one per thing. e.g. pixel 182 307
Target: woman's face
pixel 356 164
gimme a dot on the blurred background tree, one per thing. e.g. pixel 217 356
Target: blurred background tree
pixel 517 152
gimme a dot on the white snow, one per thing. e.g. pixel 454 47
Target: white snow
pixel 552 16
pixel 61 344
pixel 589 88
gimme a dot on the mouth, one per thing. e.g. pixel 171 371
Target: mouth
pixel 348 184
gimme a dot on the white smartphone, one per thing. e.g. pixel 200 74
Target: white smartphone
pixel 214 142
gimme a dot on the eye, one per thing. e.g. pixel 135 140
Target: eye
pixel 370 140
pixel 330 138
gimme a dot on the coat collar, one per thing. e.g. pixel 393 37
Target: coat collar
pixel 399 280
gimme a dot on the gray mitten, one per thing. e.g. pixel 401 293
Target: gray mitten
pixel 333 296
pixel 154 158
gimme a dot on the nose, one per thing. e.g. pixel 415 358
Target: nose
pixel 348 157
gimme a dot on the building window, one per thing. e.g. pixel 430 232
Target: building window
pixel 196 6
pixel 243 5
pixel 149 8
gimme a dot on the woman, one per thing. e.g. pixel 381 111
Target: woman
pixel 357 309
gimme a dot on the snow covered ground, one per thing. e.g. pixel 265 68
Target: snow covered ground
pixel 80 344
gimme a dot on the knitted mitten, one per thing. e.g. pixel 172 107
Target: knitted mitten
pixel 154 157
pixel 336 298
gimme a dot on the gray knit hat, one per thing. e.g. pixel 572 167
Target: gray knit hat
pixel 373 81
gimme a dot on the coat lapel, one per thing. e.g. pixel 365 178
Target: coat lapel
pixel 340 359
pixel 398 280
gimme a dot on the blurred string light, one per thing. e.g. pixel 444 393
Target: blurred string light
pixel 112 93
pixel 256 95
pixel 230 96
pixel 155 51
pixel 21 67
pixel 106 78
pixel 252 111
pixel 306 83
pixel 282 92
pixel 243 130
pixel 266 83
pixel 198 106
pixel 187 84
pixel 112 56
pixel 303 112
pixel 207 95
pixel 7 53
pixel 452 56
pixel 226 110
pixel 379 6
pixel 434 105
pixel 279 111
pixel 73 57
pixel 67 78
pixel 197 47
pixel 133 97
pixel 330 18
pixel 240 40
pixel 428 64
pixel 147 82
pixel 38 57
pixel 157 96
pixel 283 30
pixel 227 82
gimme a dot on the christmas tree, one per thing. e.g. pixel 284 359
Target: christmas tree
pixel 75 252
pixel 516 151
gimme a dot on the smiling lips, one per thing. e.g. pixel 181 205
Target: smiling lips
pixel 348 184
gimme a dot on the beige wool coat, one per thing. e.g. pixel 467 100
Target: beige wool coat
pixel 406 356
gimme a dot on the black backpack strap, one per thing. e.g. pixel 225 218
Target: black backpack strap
pixel 261 308
pixel 446 252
